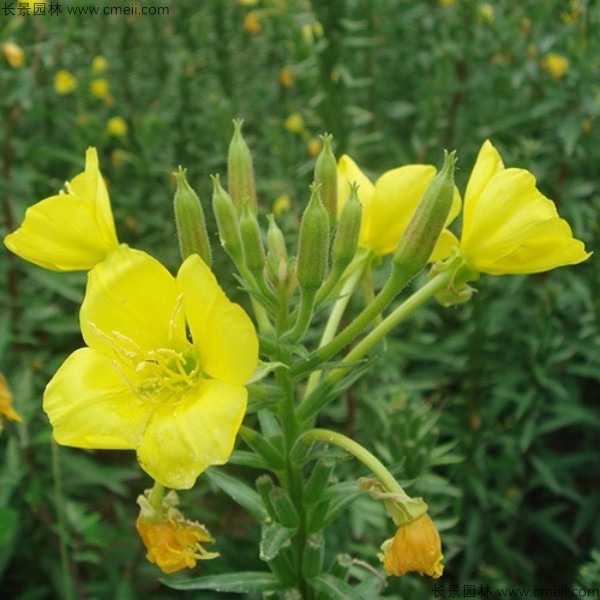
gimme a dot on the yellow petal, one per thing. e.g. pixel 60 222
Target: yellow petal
pixel 130 306
pixel 90 404
pixel 444 245
pixel 184 439
pixel 397 194
pixel 222 332
pixel 349 172
pixel 71 231
pixel 488 163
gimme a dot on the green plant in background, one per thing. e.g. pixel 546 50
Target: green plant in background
pixel 171 366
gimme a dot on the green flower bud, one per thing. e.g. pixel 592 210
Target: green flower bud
pixel 345 241
pixel 254 252
pixel 264 486
pixel 313 244
pixel 240 172
pixel 326 176
pixel 277 260
pixel 312 559
pixel 318 480
pixel 189 218
pixel 284 508
pixel 227 221
pixel 427 222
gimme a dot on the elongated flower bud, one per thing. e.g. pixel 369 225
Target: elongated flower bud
pixel 427 222
pixel 240 172
pixel 345 241
pixel 254 252
pixel 227 221
pixel 189 218
pixel 326 176
pixel 313 243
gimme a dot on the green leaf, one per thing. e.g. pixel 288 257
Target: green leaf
pixel 8 522
pixel 239 492
pixel 273 538
pixel 233 583
pixel 334 588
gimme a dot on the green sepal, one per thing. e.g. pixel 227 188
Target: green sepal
pixel 274 537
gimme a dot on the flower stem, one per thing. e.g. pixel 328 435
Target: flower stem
pixel 360 452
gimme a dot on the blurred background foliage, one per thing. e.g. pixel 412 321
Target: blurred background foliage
pixel 489 410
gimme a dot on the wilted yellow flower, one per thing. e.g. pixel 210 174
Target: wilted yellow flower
pixel 313 146
pixel 416 547
pixel 100 88
pixel 286 78
pixel 389 204
pixel 252 22
pixel 64 82
pixel 172 542
pixel 509 226
pixel 555 65
pixel 6 408
pixel 69 231
pixel 116 127
pixel 99 64
pixel 13 54
pixel 164 369
pixel 294 123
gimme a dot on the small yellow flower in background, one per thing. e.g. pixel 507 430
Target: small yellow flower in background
pixel 586 126
pixel 164 369
pixel 172 542
pixel 281 204
pixel 64 82
pixel 486 12
pixel 14 54
pixel 99 88
pixel 294 123
pixel 389 204
pixel 416 547
pixel 313 146
pixel 69 231
pixel 285 77
pixel 116 127
pixel 247 2
pixel 509 226
pixel 99 65
pixel 555 65
pixel 252 22
pixel 447 2
pixel 6 408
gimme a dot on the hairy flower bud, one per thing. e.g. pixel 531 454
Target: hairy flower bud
pixel 227 221
pixel 240 172
pixel 345 241
pixel 326 176
pixel 427 222
pixel 189 218
pixel 254 252
pixel 313 243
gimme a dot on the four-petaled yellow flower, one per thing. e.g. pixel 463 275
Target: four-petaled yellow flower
pixel 416 547
pixel 172 542
pixel 555 65
pixel 100 88
pixel 116 127
pixel 389 204
pixel 164 370
pixel 64 82
pixel 509 226
pixel 99 64
pixel 6 408
pixel 69 231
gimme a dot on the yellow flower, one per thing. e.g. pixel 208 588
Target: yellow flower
pixel 116 127
pixel 416 547
pixel 99 88
pixel 555 65
pixel 313 146
pixel 286 77
pixel 64 82
pixel 172 542
pixel 13 54
pixel 99 64
pixel 509 226
pixel 281 204
pixel 6 408
pixel 389 204
pixel 446 2
pixel 164 369
pixel 252 22
pixel 486 12
pixel 294 123
pixel 69 231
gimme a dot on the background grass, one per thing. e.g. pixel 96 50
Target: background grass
pixel 489 410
